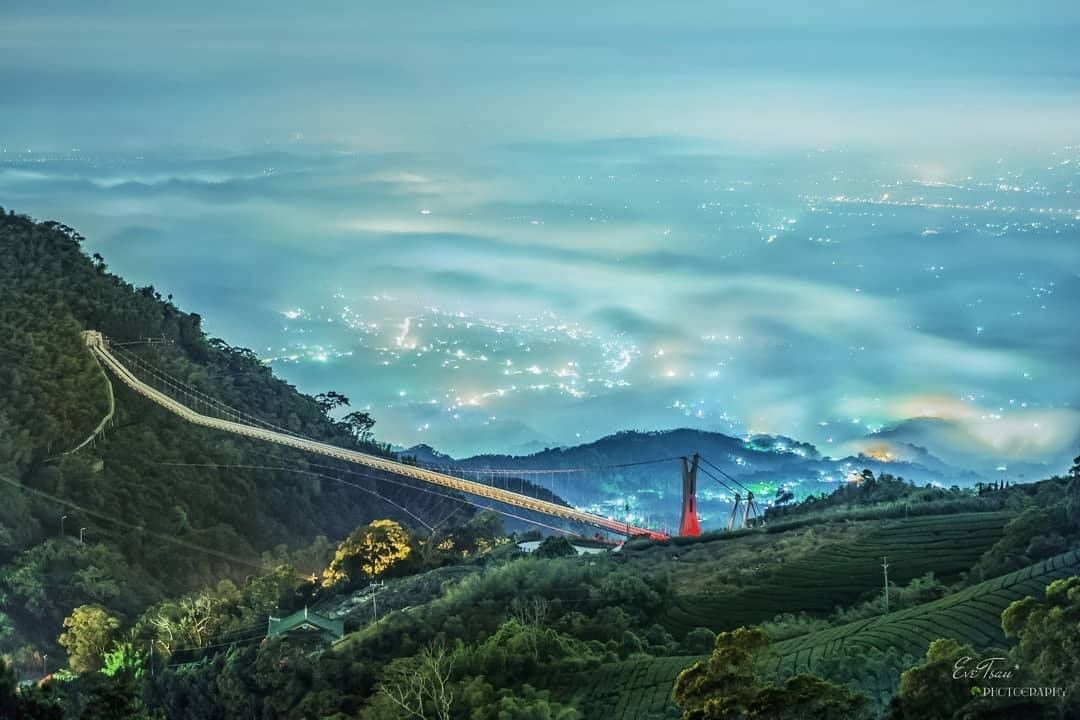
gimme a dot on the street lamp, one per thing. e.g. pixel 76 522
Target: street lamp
pixel 62 519
pixel 81 531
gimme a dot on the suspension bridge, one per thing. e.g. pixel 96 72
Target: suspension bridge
pixel 183 397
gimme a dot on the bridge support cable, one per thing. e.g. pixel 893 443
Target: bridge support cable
pixel 750 506
pixel 96 342
pixel 464 501
pixel 210 403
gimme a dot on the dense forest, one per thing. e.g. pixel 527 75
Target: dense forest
pixel 139 575
pixel 154 507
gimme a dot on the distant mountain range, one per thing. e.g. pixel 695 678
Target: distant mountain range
pixel 763 463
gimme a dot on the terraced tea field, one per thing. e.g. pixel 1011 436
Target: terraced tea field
pixel 633 689
pixel 641 689
pixel 971 616
pixel 839 572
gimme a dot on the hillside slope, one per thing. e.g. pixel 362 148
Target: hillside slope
pixel 168 502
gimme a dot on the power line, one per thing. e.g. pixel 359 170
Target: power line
pixel 306 472
pixel 260 636
pixel 544 471
pixel 123 523
pixel 393 482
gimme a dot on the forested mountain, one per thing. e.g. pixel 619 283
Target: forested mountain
pixel 160 503
pixel 764 463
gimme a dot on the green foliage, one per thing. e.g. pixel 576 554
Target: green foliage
pixel 124 657
pixel 699 641
pixel 29 703
pixel 868 490
pixel 88 634
pixel 49 580
pixel 1039 532
pixel 819 570
pixel 555 546
pixel 970 616
pixel 482 702
pixel 808 697
pixel 727 683
pixel 166 479
pixel 1048 635
pixel 729 686
pixel 113 698
pixel 481 534
pixel 930 690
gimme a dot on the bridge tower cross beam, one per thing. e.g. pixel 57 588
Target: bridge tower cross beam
pixel 688 522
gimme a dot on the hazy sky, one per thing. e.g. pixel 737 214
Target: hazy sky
pixel 422 75
pixel 503 227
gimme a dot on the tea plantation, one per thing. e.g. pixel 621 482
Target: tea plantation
pixel 637 689
pixel 840 573
pixel 641 689
pixel 971 616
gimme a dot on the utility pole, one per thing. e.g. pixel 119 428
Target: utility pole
pixel 626 507
pixel 81 531
pixel 885 570
pixel 375 602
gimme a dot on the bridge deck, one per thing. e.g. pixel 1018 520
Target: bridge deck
pixel 100 348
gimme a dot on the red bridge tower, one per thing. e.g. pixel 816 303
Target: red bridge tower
pixel 688 524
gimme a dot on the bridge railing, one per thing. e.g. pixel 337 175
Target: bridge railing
pixel 100 348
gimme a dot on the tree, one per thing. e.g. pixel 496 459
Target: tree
pixel 114 698
pixel 699 641
pixel 807 696
pixel 555 546
pixel 187 622
pixel 330 401
pixel 531 615
pixel 1048 647
pixel 420 686
pixel 727 687
pixel 725 684
pixel 29 703
pixel 1074 471
pixel 124 658
pixel 369 552
pixel 930 689
pixel 88 635
pixel 360 425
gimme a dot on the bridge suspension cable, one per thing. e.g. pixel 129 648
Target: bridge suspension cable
pixel 721 471
pixel 97 344
pixel 378 478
